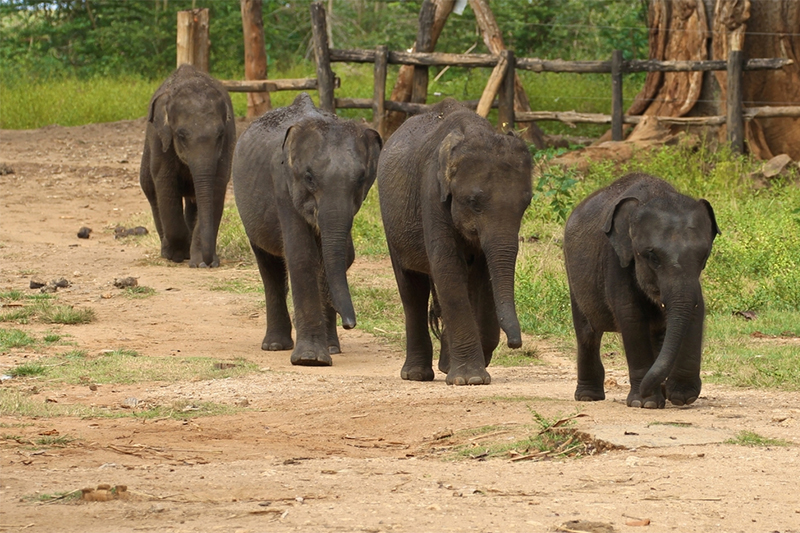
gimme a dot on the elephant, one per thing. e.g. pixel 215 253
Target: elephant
pixel 634 252
pixel 452 195
pixel 300 176
pixel 186 164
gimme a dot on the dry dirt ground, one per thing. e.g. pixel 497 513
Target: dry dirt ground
pixel 346 448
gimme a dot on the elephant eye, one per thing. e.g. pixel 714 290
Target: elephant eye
pixel 475 203
pixel 308 179
pixel 182 135
pixel 652 258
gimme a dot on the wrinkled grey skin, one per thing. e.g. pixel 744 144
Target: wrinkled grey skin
pixel 634 253
pixel 186 164
pixel 452 195
pixel 299 177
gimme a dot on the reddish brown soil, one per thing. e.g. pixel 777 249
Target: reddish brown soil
pixel 346 448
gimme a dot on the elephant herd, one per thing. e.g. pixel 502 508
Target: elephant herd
pixel 453 192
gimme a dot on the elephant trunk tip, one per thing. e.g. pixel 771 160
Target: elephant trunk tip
pixel 349 322
pixel 515 342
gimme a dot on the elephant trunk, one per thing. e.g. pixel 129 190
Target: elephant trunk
pixel 680 306
pixel 204 196
pixel 501 258
pixel 334 231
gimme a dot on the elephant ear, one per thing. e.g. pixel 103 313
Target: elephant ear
pixel 447 162
pixel 288 140
pixel 618 229
pixel 714 228
pixel 374 146
pixel 158 117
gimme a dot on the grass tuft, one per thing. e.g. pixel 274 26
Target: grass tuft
pixel 753 439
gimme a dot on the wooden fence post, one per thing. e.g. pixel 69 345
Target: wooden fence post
pixel 616 95
pixel 192 38
pixel 419 90
pixel 735 113
pixel 325 79
pixel 255 55
pixel 505 112
pixel 379 90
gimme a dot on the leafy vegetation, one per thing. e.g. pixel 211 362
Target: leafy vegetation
pixel 751 438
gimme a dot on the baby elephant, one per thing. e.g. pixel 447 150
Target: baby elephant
pixel 186 164
pixel 452 194
pixel 299 177
pixel 634 252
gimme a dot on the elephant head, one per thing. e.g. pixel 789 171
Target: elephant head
pixel 327 186
pixel 669 240
pixel 485 179
pixel 194 124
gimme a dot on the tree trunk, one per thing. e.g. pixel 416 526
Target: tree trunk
pixel 493 39
pixel 405 77
pixel 255 56
pixel 679 29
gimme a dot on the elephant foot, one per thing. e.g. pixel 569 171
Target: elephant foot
pixel 468 376
pixel 334 349
pixel 656 401
pixel 199 263
pixel 176 255
pixel 276 346
pixel 589 394
pixel 417 373
pixel 682 393
pixel 310 354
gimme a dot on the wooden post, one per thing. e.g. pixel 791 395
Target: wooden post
pixel 379 90
pixel 492 86
pixel 735 112
pixel 192 38
pixel 325 76
pixel 255 56
pixel 505 112
pixel 419 89
pixel 616 95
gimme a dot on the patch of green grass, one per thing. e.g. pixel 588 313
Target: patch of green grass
pixel 126 366
pixel 238 286
pixel 548 438
pixel 14 403
pixel 56 440
pixel 751 438
pixel 66 314
pixel 138 292
pixel 51 338
pixel 368 236
pixel 233 246
pixel 378 309
pixel 14 338
pixel 28 370
pixel 525 356
pixel 42 308
pixel 65 497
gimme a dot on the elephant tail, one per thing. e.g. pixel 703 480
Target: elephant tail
pixel 435 315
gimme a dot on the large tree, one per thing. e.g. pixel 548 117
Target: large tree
pixel 690 29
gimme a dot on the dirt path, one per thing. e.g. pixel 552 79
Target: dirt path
pixel 346 448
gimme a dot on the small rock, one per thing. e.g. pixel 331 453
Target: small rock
pixel 124 283
pixel 48 289
pixel 92 387
pixel 5 169
pixel 130 402
pixel 106 296
pixel 61 283
pixel 244 402
pixel 36 283
pixel 84 232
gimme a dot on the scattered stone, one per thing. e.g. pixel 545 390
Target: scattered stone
pixel 48 289
pixel 61 283
pixel 586 526
pixel 92 387
pixel 5 169
pixel 36 283
pixel 776 165
pixel 244 402
pixel 122 231
pixel 130 403
pixel 84 232
pixel 124 283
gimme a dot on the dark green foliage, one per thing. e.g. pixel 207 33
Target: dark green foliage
pixel 137 37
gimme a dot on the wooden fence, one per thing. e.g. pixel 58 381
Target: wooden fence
pixel 501 84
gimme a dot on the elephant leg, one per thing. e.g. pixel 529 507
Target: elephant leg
pixel 414 289
pixel 176 237
pixel 591 374
pixel 149 188
pixel 334 347
pixel 684 384
pixel 279 326
pixel 190 216
pixel 636 339
pixel 304 262
pixel 467 362
pixel 482 300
